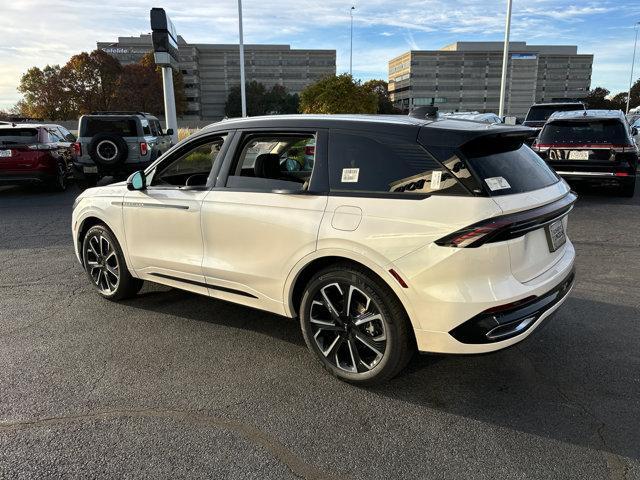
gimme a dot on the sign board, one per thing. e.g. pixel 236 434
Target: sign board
pixel 165 39
pixel 523 56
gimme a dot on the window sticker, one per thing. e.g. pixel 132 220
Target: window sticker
pixel 436 178
pixel 350 175
pixel 497 183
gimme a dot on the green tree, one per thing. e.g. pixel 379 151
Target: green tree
pixel 381 89
pixel 260 100
pixel 338 94
pixel 597 98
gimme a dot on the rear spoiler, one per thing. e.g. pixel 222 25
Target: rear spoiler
pixel 437 134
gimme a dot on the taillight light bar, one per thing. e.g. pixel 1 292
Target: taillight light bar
pixel 506 227
pixel 144 148
pixel 77 149
pixel 585 146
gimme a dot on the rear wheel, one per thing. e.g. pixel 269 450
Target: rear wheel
pixel 355 325
pixel 104 263
pixel 59 183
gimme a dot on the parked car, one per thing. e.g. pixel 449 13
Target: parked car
pixel 539 113
pixel 117 143
pixel 594 146
pixel 402 234
pixel 635 128
pixel 475 116
pixel 35 154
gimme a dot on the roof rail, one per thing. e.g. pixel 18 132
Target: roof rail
pixel 116 112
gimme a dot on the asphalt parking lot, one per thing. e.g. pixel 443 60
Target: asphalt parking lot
pixel 171 384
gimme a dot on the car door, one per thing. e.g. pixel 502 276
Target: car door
pixel 162 222
pixel 264 214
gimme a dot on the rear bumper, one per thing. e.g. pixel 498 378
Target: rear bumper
pixel 120 169
pixel 451 305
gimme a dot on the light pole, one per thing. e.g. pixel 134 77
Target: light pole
pixel 505 60
pixel 351 43
pixel 633 61
pixel 243 94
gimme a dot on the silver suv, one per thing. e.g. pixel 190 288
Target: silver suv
pixel 117 143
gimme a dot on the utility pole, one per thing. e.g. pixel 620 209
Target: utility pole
pixel 351 43
pixel 505 61
pixel 633 61
pixel 243 93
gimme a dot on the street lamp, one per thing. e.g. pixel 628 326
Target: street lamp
pixel 633 61
pixel 351 42
pixel 243 94
pixel 505 60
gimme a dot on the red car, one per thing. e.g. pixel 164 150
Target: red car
pixel 35 154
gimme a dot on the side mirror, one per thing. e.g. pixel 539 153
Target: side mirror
pixel 137 181
pixel 70 137
pixel 634 131
pixel 169 131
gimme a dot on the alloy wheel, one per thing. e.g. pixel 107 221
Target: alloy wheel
pixel 102 264
pixel 348 327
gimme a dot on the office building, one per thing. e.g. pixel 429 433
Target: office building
pixel 210 70
pixel 465 76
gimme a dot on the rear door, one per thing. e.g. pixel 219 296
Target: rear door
pixel 518 180
pixel 264 214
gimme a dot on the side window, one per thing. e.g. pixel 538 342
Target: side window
pixel 145 127
pixel 154 128
pixel 274 161
pixel 364 162
pixel 191 168
pixel 54 136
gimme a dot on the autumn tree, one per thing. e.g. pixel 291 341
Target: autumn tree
pixel 338 94
pixel 381 89
pixel 45 95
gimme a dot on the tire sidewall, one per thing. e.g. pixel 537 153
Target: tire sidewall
pixel 376 293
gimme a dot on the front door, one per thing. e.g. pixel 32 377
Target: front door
pixel 264 215
pixel 162 222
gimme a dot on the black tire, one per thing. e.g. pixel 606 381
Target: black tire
pixel 628 189
pixel 95 251
pixel 108 150
pixel 372 365
pixel 60 181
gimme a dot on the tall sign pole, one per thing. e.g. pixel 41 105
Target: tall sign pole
pixel 633 62
pixel 243 93
pixel 505 61
pixel 351 43
pixel 165 53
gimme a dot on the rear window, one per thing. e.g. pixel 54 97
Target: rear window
pixel 364 162
pixel 125 127
pixel 543 112
pixel 581 131
pixel 18 136
pixel 510 172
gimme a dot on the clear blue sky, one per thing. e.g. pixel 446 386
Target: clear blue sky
pixel 38 32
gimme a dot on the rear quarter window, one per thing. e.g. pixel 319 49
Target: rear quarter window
pixel 125 127
pixel 18 136
pixel 385 164
pixel 513 171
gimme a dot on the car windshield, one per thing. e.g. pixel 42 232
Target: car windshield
pixel 125 127
pixel 581 131
pixel 541 113
pixel 18 136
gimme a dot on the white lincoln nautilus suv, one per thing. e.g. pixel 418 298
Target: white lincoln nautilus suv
pixel 383 234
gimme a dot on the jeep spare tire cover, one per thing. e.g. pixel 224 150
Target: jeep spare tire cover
pixel 108 149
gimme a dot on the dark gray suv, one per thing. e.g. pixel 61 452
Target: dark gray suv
pixel 117 143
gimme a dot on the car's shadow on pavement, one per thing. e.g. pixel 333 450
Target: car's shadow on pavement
pixel 570 382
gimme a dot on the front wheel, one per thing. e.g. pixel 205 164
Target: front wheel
pixel 355 325
pixel 59 183
pixel 104 263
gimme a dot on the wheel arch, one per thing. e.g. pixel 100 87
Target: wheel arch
pixel 305 270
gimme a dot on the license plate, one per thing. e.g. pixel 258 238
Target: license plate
pixel 579 155
pixel 5 153
pixel 90 169
pixel 555 235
